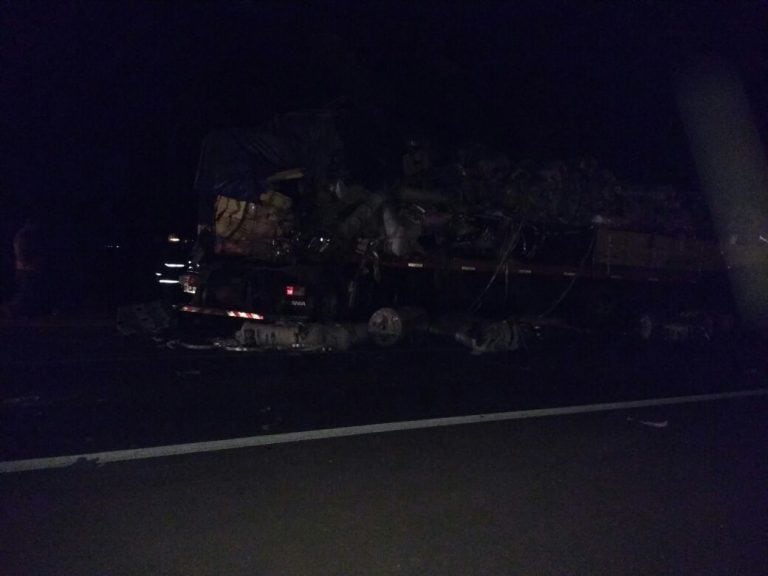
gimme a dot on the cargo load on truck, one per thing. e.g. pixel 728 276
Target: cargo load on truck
pixel 291 228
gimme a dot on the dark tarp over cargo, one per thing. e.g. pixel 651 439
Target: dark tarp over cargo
pixel 237 162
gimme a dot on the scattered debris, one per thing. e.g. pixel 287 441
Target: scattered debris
pixel 689 326
pixel 150 318
pixel 189 345
pixel 503 336
pixel 84 463
pixel 649 423
pixel 232 345
pixel 308 337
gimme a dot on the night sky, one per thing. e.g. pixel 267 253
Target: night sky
pixel 105 103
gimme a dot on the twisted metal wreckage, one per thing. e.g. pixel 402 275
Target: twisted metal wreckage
pixel 304 238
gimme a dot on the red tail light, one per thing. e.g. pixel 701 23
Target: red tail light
pixel 295 290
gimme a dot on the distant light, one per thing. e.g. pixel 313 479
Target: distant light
pixel 174 238
pixel 167 281
pixel 112 246
pixel 173 265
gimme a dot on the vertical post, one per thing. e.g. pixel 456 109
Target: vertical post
pixel 733 169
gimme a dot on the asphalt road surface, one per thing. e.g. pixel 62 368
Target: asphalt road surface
pixel 79 389
pixel 675 489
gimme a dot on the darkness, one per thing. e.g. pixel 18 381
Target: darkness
pixel 105 104
pixel 606 358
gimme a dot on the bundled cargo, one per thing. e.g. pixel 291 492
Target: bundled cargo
pixel 300 235
pixel 289 183
pixel 252 184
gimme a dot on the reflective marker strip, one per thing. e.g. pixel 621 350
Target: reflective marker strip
pixel 250 315
pixel 98 458
pixel 218 312
pixel 415 265
pixel 523 271
pixel 569 273
pixel 468 268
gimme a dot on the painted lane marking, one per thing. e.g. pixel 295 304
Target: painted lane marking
pixel 98 458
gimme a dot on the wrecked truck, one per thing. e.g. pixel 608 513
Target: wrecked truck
pixel 297 249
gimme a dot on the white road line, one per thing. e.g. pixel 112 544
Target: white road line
pixel 99 458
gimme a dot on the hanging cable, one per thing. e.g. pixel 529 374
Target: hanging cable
pixel 502 262
pixel 565 292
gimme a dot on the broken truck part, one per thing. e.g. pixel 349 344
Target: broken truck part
pixel 305 337
pixel 389 326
